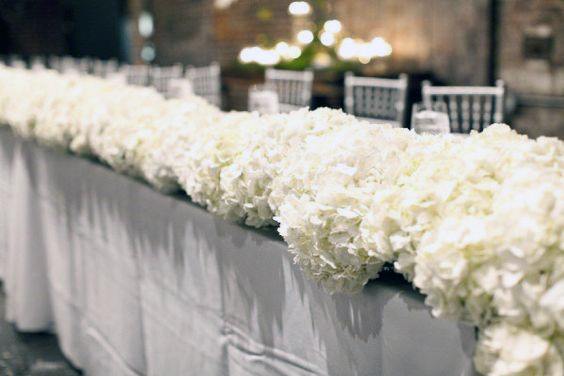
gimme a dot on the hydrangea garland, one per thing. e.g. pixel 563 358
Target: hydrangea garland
pixel 476 223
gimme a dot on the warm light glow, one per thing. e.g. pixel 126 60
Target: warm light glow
pixel 328 39
pixel 305 37
pixel 299 8
pixel 259 55
pixel 364 51
pixel 148 53
pixel 286 51
pixel 282 48
pixel 145 24
pixel 294 52
pixel 347 49
pixel 333 26
pixel 364 59
pixel 381 47
pixel 322 60
pixel 246 55
pixel 268 57
pixel 223 4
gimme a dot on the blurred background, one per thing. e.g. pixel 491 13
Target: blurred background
pixel 450 42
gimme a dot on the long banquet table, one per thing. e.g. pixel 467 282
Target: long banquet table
pixel 135 282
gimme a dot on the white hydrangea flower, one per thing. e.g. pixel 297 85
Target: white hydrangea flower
pixel 326 191
pixel 477 223
pixel 504 349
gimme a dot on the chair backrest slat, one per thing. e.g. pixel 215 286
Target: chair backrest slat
pixel 488 106
pixel 380 99
pixel 469 107
pixel 294 88
pixel 477 112
pixel 454 112
pixel 499 98
pixel 465 113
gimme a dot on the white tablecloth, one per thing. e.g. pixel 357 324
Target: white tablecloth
pixel 6 151
pixel 136 282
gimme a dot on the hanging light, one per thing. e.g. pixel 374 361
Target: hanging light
pixel 246 55
pixel 287 51
pixel 381 48
pixel 305 36
pixel 294 52
pixel 327 38
pixel 259 55
pixel 333 26
pixel 148 52
pixel 347 49
pixel 268 57
pixel 145 24
pixel 299 8
pixel 282 48
pixel 365 52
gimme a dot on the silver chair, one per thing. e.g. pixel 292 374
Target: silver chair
pixel 136 74
pixel 294 88
pixel 16 61
pixel 104 68
pixel 37 63
pixel 69 64
pixel 179 88
pixel 377 100
pixel 161 76
pixel 54 63
pixel 206 82
pixel 469 107
pixel 263 99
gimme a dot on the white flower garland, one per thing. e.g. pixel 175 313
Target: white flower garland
pixel 477 223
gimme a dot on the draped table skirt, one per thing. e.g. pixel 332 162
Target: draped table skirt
pixel 135 282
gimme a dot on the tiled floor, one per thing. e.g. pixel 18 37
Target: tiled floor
pixel 29 354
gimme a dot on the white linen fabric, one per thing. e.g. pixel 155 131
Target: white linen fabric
pixel 137 282
pixel 6 149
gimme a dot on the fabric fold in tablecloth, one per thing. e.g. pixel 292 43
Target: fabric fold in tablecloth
pixel 137 282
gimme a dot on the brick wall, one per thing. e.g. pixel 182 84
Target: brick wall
pixel 246 22
pixel 537 83
pixel 447 37
pixel 531 76
pixel 184 31
pixel 195 32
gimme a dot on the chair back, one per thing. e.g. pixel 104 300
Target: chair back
pixel 14 61
pixel 161 76
pixel 136 74
pixel 263 99
pixel 70 64
pixel 206 82
pixel 54 63
pixel 17 62
pixel 469 107
pixel 376 99
pixel 37 63
pixel 104 68
pixel 179 88
pixel 294 88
